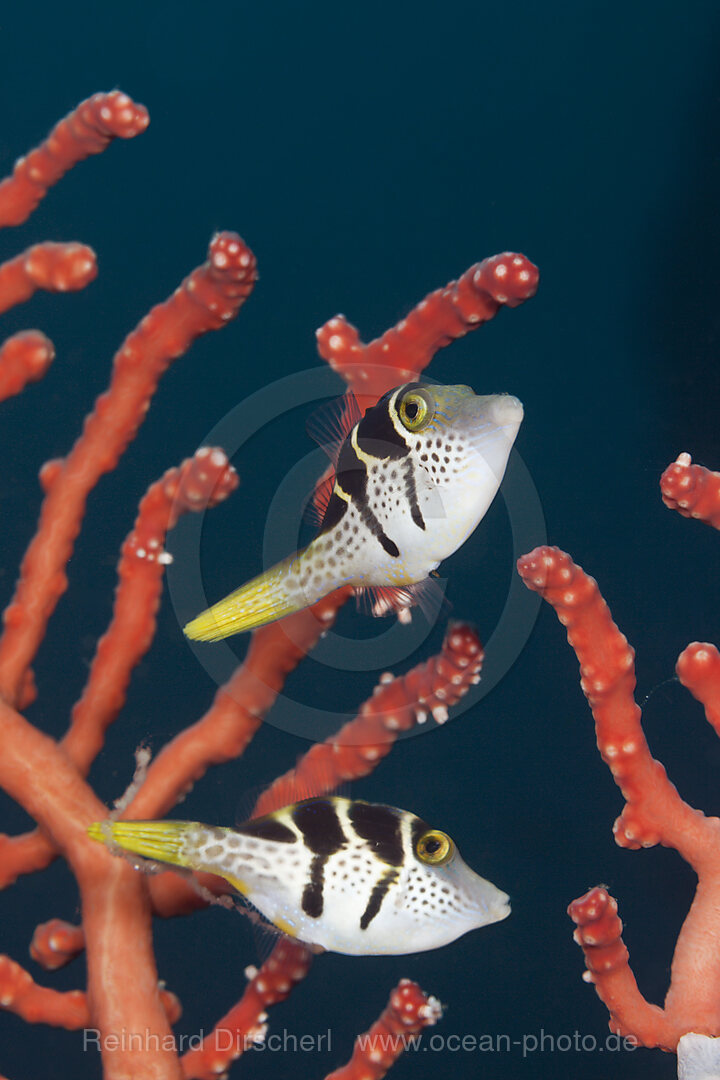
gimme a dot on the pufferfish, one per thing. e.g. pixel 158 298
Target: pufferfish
pixel 413 478
pixel 340 874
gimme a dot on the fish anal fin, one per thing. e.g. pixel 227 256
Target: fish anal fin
pixel 380 600
pixel 239 886
pixel 265 934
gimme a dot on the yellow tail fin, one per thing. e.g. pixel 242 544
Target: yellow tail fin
pixel 160 840
pixel 260 601
pixel 165 842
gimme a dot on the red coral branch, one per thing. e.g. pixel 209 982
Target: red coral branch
pixel 397 705
pixel 123 993
pixel 408 1011
pixel 405 350
pixel 200 482
pixel 48 266
pixel 55 943
pixel 698 669
pixel 206 300
pixel 654 813
pixel 20 994
pixel 237 712
pixel 88 129
pixel 692 490
pixel 245 1024
pixel 24 358
pixel 599 934
pixel 115 904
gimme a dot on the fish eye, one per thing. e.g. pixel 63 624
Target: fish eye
pixel 435 848
pixel 416 410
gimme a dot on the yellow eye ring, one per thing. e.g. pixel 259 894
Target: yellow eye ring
pixel 416 410
pixel 434 848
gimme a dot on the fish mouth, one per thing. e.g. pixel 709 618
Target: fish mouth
pixel 506 409
pixel 488 903
pixel 493 906
pixel 501 908
pixel 492 422
pixel 501 410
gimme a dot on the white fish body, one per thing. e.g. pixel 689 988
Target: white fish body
pixel 348 876
pixel 414 478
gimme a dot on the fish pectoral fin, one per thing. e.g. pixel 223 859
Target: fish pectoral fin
pixel 260 601
pixel 316 508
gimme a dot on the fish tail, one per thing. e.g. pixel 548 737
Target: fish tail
pixel 262 600
pixel 159 840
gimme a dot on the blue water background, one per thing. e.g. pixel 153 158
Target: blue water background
pixel 368 154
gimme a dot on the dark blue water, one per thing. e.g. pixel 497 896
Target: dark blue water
pixel 369 154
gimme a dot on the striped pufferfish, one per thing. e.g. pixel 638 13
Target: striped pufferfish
pixel 413 478
pixel 340 874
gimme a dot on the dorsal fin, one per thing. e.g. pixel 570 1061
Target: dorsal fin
pixel 330 424
pixel 315 779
